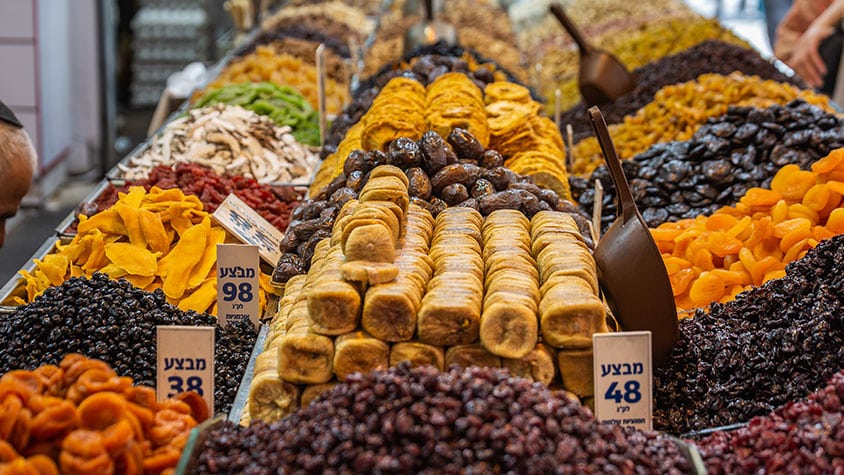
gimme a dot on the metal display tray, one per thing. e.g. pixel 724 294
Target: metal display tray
pixel 16 286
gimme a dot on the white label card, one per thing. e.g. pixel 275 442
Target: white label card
pixel 623 378
pixel 185 362
pixel 237 283
pixel 250 227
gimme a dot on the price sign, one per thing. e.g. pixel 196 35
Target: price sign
pixel 623 378
pixel 185 362
pixel 237 283
pixel 250 227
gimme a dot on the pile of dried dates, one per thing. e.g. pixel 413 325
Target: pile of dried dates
pixel 457 171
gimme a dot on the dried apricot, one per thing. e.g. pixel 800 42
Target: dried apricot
pixel 680 281
pixel 829 163
pixel 54 420
pixel 706 289
pixel 760 197
pixel 101 410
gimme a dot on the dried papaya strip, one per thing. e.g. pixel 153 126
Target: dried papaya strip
pixel 54 420
pixel 101 410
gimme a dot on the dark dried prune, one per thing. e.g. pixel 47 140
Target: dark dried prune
pixel 492 159
pixel 419 183
pixel 433 149
pixel 507 199
pixel 404 153
pixel 465 144
pixel 482 187
pixel 356 161
pixel 455 193
pixel 448 175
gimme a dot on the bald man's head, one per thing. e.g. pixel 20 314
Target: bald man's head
pixel 17 165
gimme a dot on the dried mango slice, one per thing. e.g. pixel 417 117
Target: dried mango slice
pixel 133 198
pixel 107 221
pixel 54 267
pixel 206 263
pixel 201 298
pixel 132 222
pixel 132 258
pixel 154 232
pixel 188 252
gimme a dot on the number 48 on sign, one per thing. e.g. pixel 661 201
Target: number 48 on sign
pixel 622 371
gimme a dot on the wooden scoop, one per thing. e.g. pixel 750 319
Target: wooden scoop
pixel 603 78
pixel 429 31
pixel 630 267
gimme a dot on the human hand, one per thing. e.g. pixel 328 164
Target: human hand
pixel 806 60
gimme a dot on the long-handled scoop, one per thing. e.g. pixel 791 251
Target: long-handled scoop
pixel 429 31
pixel 630 267
pixel 603 78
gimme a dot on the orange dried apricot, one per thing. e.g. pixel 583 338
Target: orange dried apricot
pixel 720 222
pixel 680 281
pixel 7 452
pixel 707 288
pixel 817 197
pixel 117 436
pixel 722 244
pixel 101 410
pixel 792 183
pixel 161 459
pixel 43 465
pixel 198 407
pixel 835 222
pixel 54 420
pixel 760 197
pixel 829 163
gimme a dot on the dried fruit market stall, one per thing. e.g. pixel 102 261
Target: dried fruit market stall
pixel 433 294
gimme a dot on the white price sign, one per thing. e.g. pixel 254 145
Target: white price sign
pixel 250 227
pixel 185 362
pixel 237 283
pixel 623 378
